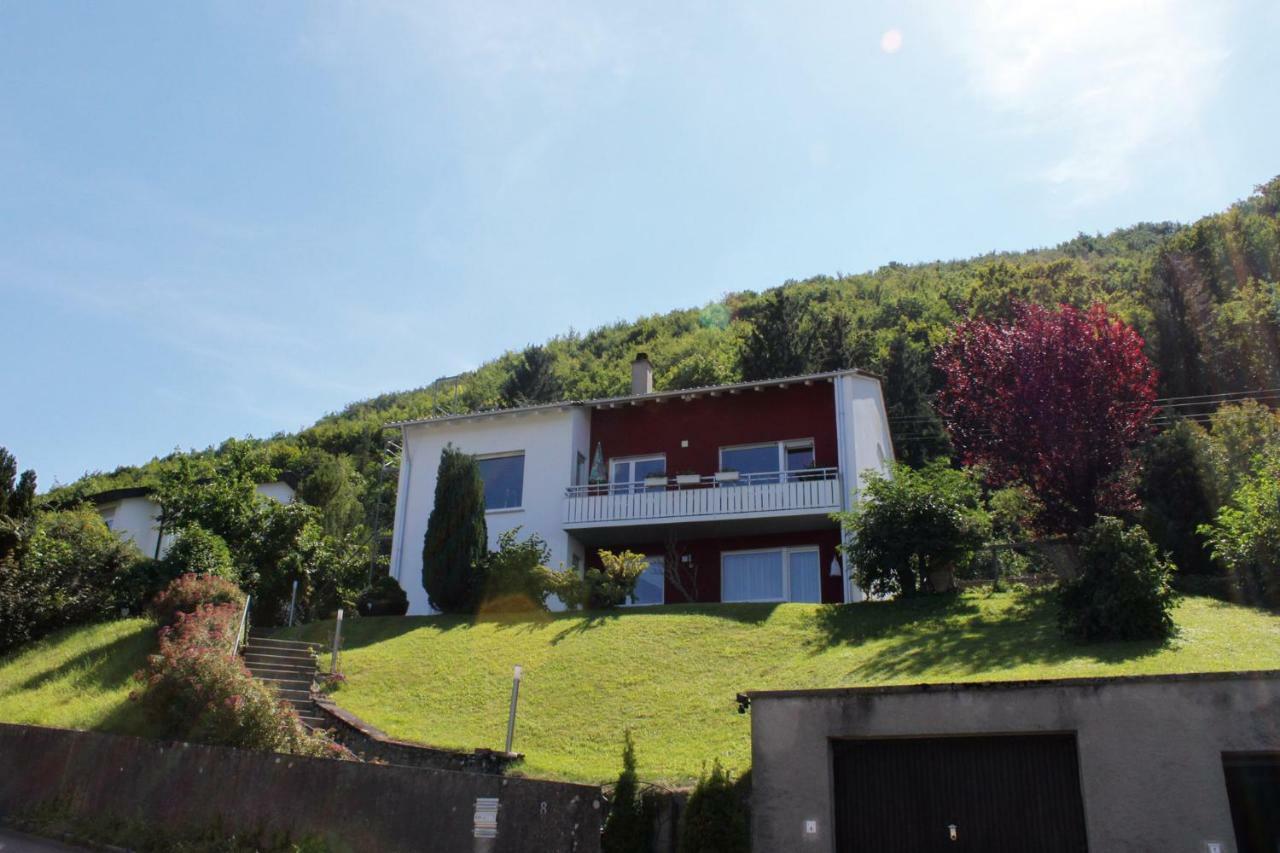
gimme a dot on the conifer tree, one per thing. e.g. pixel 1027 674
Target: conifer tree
pixel 533 379
pixel 457 540
pixel 626 830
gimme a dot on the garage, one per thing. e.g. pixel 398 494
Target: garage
pixel 953 794
pixel 1187 762
pixel 1253 787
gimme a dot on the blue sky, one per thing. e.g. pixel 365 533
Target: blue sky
pixel 225 219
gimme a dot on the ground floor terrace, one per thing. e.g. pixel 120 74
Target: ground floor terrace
pixel 781 566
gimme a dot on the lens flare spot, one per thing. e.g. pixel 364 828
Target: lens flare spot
pixel 891 41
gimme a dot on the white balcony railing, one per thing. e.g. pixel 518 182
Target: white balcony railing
pixel 694 496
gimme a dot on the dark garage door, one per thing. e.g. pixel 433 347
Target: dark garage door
pixel 1012 793
pixel 1253 787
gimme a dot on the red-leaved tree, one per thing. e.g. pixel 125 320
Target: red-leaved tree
pixel 1054 398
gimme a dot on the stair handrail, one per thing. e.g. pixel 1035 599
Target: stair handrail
pixel 244 617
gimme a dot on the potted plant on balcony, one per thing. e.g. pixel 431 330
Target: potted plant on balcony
pixel 688 478
pixel 727 475
pixel 656 480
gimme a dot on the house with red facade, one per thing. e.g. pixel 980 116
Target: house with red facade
pixel 727 490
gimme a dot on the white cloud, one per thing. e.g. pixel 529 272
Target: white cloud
pixel 1100 84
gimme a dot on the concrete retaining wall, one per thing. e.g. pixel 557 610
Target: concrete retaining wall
pixel 363 806
pixel 1150 749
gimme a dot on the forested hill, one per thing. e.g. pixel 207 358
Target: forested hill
pixel 1205 297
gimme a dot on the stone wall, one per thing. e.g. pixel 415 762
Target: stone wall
pixel 362 806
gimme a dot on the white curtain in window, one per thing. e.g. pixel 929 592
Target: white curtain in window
pixel 806 579
pixel 752 577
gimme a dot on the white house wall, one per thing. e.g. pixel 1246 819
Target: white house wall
pixel 136 520
pixel 280 492
pixel 862 429
pixel 549 441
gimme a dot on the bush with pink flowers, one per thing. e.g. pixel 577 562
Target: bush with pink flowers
pixel 190 591
pixel 195 689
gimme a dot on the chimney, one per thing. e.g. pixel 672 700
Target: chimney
pixel 641 375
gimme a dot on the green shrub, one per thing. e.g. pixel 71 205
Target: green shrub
pixel 628 828
pixel 196 551
pixel 598 589
pixel 384 598
pixel 188 592
pixel 64 568
pixel 1245 537
pixel 1122 591
pixel 911 524
pixel 716 819
pixel 516 574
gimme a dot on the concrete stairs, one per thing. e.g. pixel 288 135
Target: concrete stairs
pixel 290 667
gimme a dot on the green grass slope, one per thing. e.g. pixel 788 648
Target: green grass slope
pixel 671 673
pixel 78 678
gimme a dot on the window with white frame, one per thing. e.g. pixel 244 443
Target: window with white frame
pixel 774 574
pixel 627 474
pixel 503 476
pixel 651 586
pixel 770 461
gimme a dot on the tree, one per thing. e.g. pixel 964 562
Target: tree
pixel 532 379
pixel 715 819
pixel 918 435
pixel 626 830
pixel 1245 536
pixel 911 524
pixel 1241 437
pixel 16 500
pixel 197 551
pixel 334 486
pixel 1179 494
pixel 777 343
pixel 457 540
pixel 1056 399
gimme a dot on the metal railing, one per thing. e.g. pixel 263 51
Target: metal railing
pixel 692 495
pixel 244 619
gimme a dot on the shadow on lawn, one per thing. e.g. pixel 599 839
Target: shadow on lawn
pixel 953 635
pixel 102 667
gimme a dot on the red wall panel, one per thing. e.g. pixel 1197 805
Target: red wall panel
pixel 709 423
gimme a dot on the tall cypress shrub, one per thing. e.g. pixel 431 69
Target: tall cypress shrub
pixel 628 827
pixel 457 541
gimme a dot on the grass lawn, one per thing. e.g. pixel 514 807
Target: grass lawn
pixel 671 673
pixel 78 678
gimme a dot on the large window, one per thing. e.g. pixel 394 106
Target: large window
pixel 627 475
pixel 780 574
pixel 503 477
pixel 768 463
pixel 651 585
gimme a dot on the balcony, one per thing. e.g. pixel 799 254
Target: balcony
pixel 719 497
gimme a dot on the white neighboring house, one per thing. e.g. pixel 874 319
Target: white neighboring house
pixel 742 477
pixel 135 517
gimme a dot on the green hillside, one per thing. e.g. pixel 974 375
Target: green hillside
pixel 78 678
pixel 671 673
pixel 1205 297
